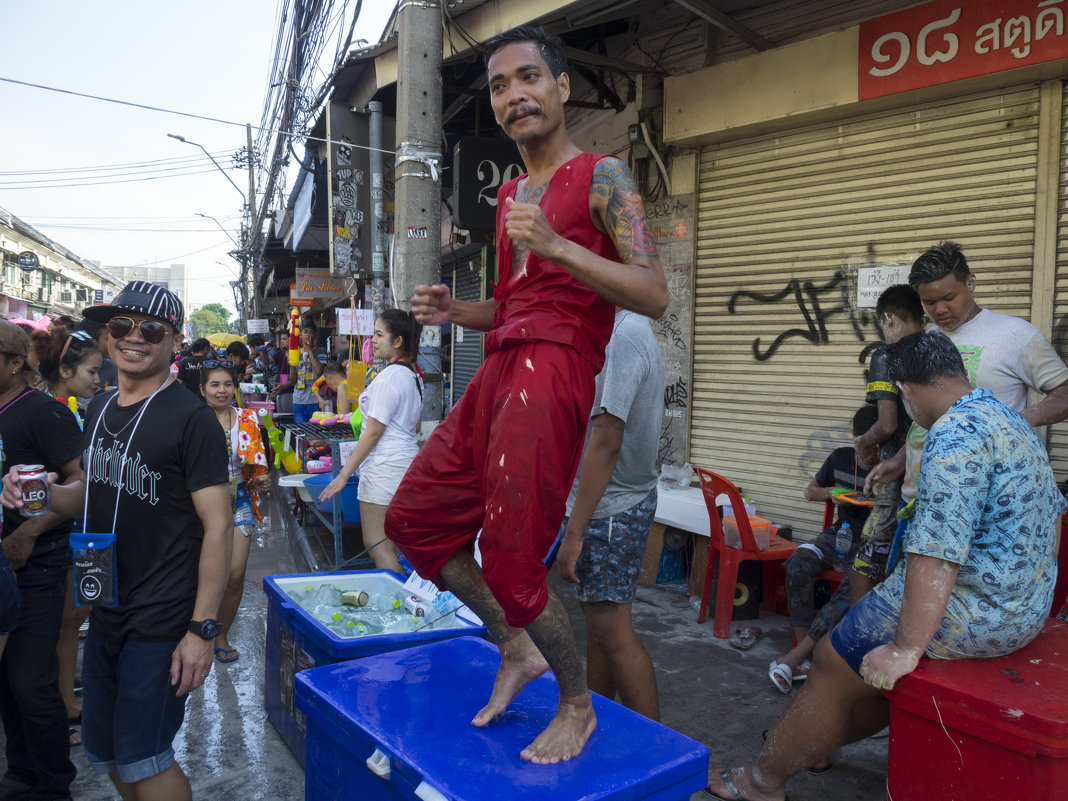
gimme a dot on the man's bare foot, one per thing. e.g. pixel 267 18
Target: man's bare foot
pixel 521 663
pixel 566 733
pixel 737 785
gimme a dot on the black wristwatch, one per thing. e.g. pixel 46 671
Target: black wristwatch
pixel 205 629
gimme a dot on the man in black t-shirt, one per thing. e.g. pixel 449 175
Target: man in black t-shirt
pixel 35 429
pixel 189 369
pixel 156 468
pixel 840 470
pixel 899 313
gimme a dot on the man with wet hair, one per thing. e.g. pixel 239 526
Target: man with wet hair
pixel 977 580
pixel 572 243
pixel 1004 354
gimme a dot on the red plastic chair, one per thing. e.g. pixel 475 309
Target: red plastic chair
pixel 778 550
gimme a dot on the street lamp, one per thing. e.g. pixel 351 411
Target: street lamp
pixel 209 217
pixel 213 161
pixel 243 251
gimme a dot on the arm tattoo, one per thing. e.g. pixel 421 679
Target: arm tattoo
pixel 624 215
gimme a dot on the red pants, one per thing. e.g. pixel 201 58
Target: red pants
pixel 503 461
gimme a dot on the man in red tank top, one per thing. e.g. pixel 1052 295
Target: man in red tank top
pixel 572 243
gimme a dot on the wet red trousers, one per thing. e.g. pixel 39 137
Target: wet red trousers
pixel 502 461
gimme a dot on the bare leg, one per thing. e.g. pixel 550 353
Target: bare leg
pixel 522 661
pixel 235 588
pixel 67 649
pixel 170 785
pixel 616 659
pixel 373 526
pixel 859 586
pixel 800 652
pixel 127 791
pixel 833 708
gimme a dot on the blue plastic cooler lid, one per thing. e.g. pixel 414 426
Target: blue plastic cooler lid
pixel 417 704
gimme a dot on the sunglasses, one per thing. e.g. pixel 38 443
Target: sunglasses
pixel 152 331
pixel 211 364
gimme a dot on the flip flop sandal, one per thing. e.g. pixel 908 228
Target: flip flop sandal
pixel 745 637
pixel 802 671
pixel 781 676
pixel 811 771
pixel 732 788
pixel 223 655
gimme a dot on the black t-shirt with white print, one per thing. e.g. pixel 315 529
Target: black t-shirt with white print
pixel 177 449
pixel 36 429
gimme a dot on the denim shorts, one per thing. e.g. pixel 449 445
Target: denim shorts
pixel 10 597
pixel 130 711
pixel 869 624
pixel 612 551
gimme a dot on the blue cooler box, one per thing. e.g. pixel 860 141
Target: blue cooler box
pixel 398 726
pixel 297 641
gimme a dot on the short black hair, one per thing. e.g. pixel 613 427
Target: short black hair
pixel 939 261
pixel 199 344
pixel 902 301
pixel 237 348
pixel 925 358
pixel 551 48
pixel 309 324
pixel 93 328
pixel 866 416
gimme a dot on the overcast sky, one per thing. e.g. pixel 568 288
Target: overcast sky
pixel 205 58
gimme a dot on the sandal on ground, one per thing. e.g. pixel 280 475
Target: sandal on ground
pixel 802 670
pixel 781 676
pixel 732 788
pixel 816 771
pixel 226 655
pixel 745 637
pixel 74 737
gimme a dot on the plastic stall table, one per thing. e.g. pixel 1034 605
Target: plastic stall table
pixel 398 726
pixel 333 436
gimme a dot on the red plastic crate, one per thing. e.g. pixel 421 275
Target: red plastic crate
pixel 983 728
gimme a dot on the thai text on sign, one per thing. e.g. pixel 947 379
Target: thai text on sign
pixel 946 41
pixel 317 284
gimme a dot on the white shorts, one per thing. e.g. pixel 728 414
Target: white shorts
pixel 379 483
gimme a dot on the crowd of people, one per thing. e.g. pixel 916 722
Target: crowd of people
pixel 553 442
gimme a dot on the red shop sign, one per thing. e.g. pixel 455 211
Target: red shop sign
pixel 949 40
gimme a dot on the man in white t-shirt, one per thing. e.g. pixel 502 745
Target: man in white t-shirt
pixel 1004 354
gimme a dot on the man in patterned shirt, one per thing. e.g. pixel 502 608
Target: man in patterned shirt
pixel 977 581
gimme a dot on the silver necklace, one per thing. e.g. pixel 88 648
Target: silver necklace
pixel 133 413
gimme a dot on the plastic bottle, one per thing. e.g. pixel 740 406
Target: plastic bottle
pixel 843 543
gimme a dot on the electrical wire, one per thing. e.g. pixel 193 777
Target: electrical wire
pixel 177 113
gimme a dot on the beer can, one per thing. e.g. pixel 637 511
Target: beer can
pixel 33 481
pixel 416 606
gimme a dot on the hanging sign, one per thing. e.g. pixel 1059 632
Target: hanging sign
pixel 28 261
pixel 947 40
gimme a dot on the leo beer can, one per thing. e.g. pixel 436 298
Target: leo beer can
pixel 33 481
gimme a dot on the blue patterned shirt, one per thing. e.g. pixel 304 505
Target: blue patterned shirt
pixel 987 501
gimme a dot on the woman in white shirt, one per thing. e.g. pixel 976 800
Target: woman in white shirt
pixel 391 406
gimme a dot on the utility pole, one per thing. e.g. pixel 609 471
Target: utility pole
pixel 418 174
pixel 378 211
pixel 251 244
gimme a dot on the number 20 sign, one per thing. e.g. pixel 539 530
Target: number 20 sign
pixel 481 165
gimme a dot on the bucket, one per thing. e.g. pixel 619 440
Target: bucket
pixel 350 506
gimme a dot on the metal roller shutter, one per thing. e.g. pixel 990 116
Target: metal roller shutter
pixel 1058 438
pixel 468 284
pixel 785 220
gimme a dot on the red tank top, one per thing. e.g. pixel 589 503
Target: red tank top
pixel 540 301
